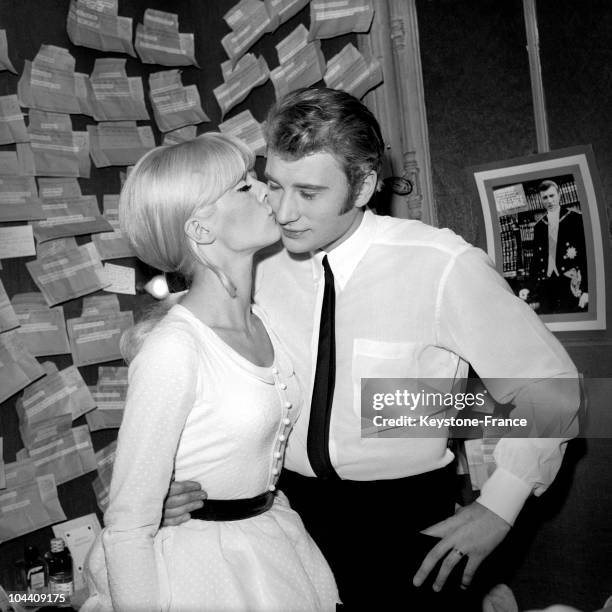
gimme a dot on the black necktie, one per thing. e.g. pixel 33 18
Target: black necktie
pixel 324 381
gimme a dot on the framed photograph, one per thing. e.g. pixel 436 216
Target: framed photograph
pixel 543 218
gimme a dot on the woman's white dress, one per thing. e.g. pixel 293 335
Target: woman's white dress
pixel 198 410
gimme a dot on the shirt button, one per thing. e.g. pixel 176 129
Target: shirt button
pixel 271 488
pixel 274 370
pixel 275 471
pixel 287 421
pixel 282 437
pixel 288 405
pixel 278 455
pixel 283 386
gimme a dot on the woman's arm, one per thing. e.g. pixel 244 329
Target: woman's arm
pixel 161 393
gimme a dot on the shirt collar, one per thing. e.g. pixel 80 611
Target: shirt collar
pixel 344 258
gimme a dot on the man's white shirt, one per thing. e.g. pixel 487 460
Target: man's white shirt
pixel 413 301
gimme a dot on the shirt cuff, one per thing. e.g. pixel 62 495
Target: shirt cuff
pixel 505 494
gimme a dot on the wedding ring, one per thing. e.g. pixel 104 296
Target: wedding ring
pixel 458 552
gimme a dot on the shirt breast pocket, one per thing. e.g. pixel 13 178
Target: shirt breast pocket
pixel 378 359
pixel 417 362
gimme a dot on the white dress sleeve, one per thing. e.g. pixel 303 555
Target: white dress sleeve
pixel 162 386
pixel 520 362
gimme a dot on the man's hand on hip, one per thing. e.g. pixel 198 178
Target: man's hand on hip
pixel 474 531
pixel 182 498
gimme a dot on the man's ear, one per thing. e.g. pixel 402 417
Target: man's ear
pixel 368 187
pixel 198 231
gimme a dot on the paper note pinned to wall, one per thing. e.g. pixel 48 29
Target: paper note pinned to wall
pixel 174 106
pixel 249 20
pixel 69 274
pixel 8 317
pixel 116 97
pixel 158 41
pixel 19 199
pixel 96 24
pixel 19 162
pixel 119 143
pixel 250 72
pixel 18 367
pixel 122 279
pixel 28 506
pixel 49 83
pixel 95 338
pixel 113 245
pixel 350 71
pixel 246 128
pixel 42 329
pixel 12 125
pixel 330 18
pixel 17 241
pixel 183 134
pixel 57 149
pixel 5 62
pixel 301 66
pixel 285 9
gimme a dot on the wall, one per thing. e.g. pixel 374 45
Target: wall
pixel 478 99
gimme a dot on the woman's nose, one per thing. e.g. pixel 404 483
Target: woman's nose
pixel 261 190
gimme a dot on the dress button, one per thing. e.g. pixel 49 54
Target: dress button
pixel 271 488
pixel 282 437
pixel 283 386
pixel 287 421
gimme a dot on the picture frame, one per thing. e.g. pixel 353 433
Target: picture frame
pixel 529 205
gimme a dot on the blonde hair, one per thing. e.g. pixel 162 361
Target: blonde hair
pixel 165 188
pixel 168 185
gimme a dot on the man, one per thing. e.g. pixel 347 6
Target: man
pixel 558 269
pixel 406 300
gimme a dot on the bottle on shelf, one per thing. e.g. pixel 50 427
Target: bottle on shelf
pixel 59 571
pixel 34 568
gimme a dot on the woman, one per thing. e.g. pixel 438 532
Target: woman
pixel 212 398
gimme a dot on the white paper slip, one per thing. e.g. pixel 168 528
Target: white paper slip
pixel 19 199
pixel 122 279
pixel 330 18
pixel 284 9
pixel 12 125
pixel 5 62
pixel 8 317
pixel 17 241
pixel 116 97
pixel 350 71
pixel 69 274
pixel 183 134
pixel 158 41
pixel 250 21
pixel 174 106
pixel 92 24
pixel 244 126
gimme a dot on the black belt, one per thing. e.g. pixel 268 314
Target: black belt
pixel 234 509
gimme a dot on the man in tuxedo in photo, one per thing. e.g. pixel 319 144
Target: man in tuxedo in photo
pixel 558 272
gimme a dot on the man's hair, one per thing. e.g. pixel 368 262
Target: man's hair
pixel 319 119
pixel 546 185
